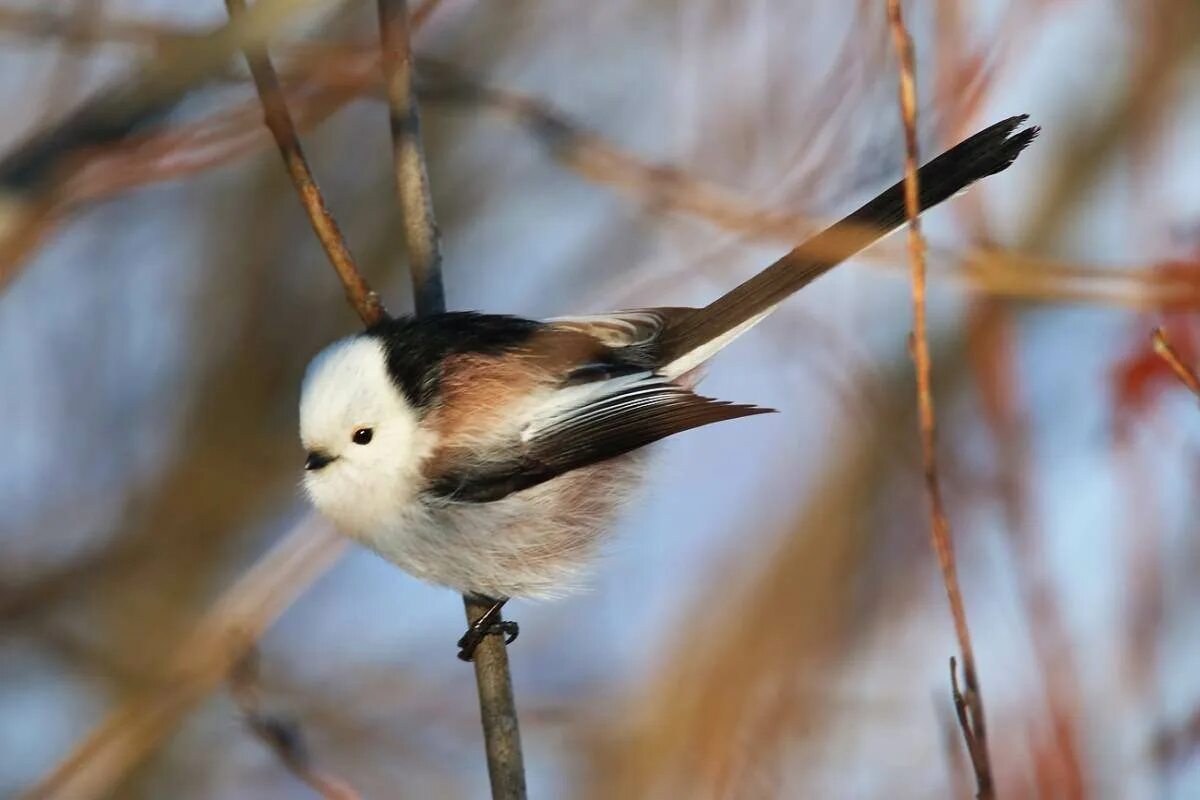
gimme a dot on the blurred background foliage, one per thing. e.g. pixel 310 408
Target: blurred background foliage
pixel 769 621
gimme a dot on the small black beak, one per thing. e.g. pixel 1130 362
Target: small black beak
pixel 317 459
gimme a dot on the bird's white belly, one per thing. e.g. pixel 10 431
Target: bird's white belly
pixel 533 543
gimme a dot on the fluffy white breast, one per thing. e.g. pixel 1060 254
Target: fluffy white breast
pixel 365 487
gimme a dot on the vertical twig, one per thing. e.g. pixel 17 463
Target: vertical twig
pixel 497 711
pixel 969 703
pixel 497 707
pixel 1187 376
pixel 421 236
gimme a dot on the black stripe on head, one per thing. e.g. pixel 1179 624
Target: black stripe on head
pixel 416 348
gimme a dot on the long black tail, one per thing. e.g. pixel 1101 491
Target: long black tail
pixel 689 340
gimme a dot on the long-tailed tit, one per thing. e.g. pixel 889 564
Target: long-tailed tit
pixel 489 453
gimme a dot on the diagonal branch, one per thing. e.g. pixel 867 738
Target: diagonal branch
pixel 497 706
pixel 275 114
pixel 969 703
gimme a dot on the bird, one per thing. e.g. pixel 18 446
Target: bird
pixel 490 453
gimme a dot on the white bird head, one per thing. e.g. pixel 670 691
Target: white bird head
pixel 363 438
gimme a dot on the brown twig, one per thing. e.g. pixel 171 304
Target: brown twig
pixel 951 729
pixel 279 121
pixel 968 704
pixel 497 706
pixel 421 236
pixel 281 734
pixel 1187 376
pixel 497 711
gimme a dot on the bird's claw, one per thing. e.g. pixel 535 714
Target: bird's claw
pixel 476 633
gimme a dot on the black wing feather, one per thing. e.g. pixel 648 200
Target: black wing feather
pixel 614 424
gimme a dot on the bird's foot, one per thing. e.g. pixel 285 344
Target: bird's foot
pixel 489 624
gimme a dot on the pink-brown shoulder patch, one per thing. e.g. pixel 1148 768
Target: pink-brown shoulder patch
pixel 483 395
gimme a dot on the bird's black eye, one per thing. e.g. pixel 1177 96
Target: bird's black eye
pixel 363 436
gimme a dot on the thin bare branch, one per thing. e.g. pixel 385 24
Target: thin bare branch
pixel 1187 376
pixel 975 750
pixel 421 236
pixel 957 774
pixel 497 711
pixel 359 294
pixel 969 705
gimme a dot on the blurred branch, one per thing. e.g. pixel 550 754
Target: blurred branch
pixel 1187 376
pixel 722 708
pixel 1172 27
pixel 113 113
pixel 968 706
pixel 359 294
pixel 129 733
pixel 964 78
pixel 497 706
pixel 327 76
pixel 986 270
pixel 31 173
pixel 282 735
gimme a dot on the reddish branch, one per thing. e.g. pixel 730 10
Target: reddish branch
pixel 968 702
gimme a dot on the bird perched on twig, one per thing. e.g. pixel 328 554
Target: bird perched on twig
pixel 489 453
